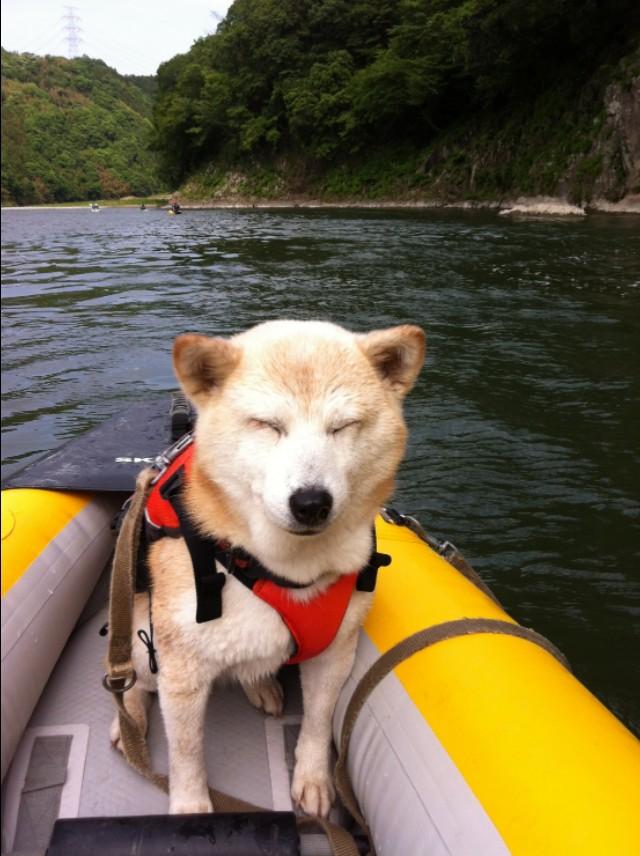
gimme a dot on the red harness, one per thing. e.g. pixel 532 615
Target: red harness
pixel 313 623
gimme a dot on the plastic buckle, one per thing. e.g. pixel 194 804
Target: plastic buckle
pixel 164 460
pixel 126 682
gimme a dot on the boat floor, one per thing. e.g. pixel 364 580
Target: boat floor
pixel 65 765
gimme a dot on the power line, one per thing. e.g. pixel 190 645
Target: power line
pixel 118 53
pixel 38 37
pixel 50 44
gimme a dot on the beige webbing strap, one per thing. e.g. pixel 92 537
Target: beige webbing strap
pixel 392 658
pixel 341 841
pixel 121 675
pixel 120 672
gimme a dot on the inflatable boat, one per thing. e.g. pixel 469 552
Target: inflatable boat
pixel 483 743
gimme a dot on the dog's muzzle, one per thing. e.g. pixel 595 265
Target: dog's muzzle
pixel 311 506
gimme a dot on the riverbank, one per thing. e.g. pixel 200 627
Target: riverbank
pixel 124 202
pixel 531 206
pixel 571 150
pixel 553 206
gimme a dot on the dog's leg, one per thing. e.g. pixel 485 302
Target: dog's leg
pixel 183 705
pixel 266 694
pixel 322 678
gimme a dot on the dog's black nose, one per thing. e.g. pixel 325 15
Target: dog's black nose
pixel 311 506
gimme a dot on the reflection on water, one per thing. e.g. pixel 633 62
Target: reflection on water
pixel 523 448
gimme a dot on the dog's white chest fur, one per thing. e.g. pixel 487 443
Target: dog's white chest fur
pixel 249 640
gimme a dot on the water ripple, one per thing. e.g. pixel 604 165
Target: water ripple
pixel 523 442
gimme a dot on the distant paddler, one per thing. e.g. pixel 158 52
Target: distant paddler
pixel 174 207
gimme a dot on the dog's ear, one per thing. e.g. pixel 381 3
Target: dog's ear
pixel 396 354
pixel 202 364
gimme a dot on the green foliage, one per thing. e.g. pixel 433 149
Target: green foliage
pixel 284 71
pixel 387 173
pixel 328 79
pixel 318 105
pixel 145 82
pixel 73 130
pixel 369 98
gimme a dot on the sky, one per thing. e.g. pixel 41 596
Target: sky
pixel 132 36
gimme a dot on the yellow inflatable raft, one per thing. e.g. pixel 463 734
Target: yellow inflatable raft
pixel 513 754
pixel 480 745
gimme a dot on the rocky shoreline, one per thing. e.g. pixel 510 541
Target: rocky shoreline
pixel 527 206
pixel 542 206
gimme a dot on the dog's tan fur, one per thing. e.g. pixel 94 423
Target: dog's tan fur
pixel 281 406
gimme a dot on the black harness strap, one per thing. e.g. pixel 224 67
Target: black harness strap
pixel 209 582
pixel 369 574
pixel 248 570
pixel 205 551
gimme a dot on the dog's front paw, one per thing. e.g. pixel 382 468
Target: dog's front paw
pixel 182 805
pixel 266 695
pixel 313 792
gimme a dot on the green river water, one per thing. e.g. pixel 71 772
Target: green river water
pixel 524 424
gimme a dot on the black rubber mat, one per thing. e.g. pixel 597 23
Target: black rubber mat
pixel 108 457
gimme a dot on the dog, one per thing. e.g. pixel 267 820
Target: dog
pixel 299 436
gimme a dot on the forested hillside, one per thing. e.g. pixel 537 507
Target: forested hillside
pixel 355 99
pixel 374 98
pixel 73 130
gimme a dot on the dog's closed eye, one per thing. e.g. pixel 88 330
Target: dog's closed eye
pixel 342 426
pixel 265 424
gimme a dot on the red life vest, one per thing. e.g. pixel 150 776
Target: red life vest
pixel 313 623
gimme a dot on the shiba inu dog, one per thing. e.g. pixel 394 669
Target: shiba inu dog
pixel 298 439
